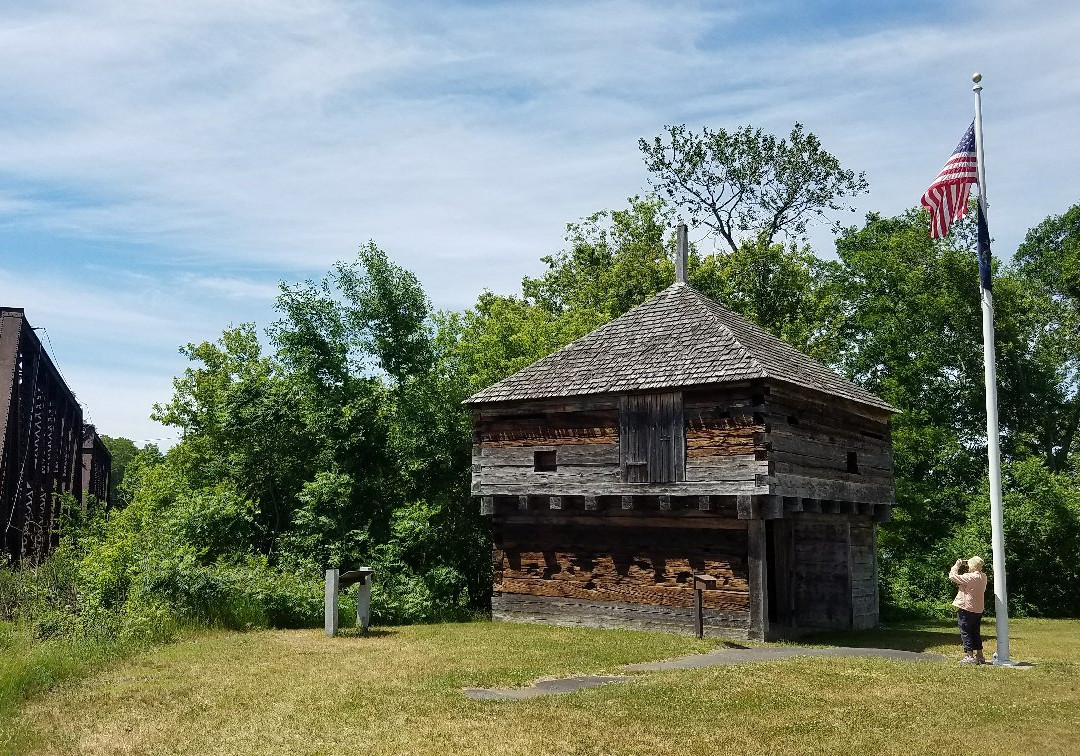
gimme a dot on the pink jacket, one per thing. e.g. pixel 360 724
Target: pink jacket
pixel 972 589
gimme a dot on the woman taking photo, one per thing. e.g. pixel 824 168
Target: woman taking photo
pixel 969 606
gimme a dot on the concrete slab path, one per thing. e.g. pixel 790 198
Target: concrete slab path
pixel 726 656
pixel 719 658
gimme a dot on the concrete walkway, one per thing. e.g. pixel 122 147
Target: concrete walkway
pixel 719 658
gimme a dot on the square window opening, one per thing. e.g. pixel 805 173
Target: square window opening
pixel 544 461
pixel 853 462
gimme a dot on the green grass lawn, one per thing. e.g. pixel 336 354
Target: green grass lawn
pixel 398 691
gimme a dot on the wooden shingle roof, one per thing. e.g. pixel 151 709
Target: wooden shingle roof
pixel 678 338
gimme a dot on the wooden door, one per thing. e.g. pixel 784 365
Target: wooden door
pixel 652 440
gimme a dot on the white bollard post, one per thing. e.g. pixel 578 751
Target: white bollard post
pixel 331 604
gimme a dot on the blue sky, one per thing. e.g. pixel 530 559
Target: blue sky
pixel 163 165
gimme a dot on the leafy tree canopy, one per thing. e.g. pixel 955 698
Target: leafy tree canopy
pixel 747 184
pixel 1048 265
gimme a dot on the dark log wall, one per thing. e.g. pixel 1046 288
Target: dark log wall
pixel 823 573
pixel 725 438
pixel 583 433
pixel 573 571
pixel 864 578
pixel 825 448
pixel 775 492
pixel 720 450
pixel 822 595
pixel 744 439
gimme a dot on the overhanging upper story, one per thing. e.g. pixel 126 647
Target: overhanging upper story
pixel 682 398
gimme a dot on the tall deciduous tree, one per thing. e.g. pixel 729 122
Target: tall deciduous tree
pixel 346 444
pixel 122 451
pixel 912 335
pixel 788 291
pixel 1048 263
pixel 747 184
pixel 614 260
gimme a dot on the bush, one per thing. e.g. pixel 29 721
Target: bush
pixel 1041 513
pixel 241 596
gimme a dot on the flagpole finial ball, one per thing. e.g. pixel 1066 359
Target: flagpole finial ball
pixel 976 77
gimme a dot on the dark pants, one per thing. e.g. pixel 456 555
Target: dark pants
pixel 970 629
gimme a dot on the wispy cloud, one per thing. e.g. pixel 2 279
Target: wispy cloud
pixel 198 152
pixel 237 288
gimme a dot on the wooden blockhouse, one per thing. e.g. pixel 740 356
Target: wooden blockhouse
pixel 681 439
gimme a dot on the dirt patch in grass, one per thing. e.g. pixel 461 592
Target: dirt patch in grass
pixel 399 692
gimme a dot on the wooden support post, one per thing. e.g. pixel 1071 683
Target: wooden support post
pixel 487 505
pixel 747 507
pixel 849 574
pixel 792 504
pixel 875 599
pixel 627 502
pixel 665 503
pixel 330 608
pixel 772 507
pixel 759 576
pixel 591 504
pixel 523 503
pixel 699 612
pixel 704 503
pixel 555 502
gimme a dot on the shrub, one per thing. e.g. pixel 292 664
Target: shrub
pixel 1041 513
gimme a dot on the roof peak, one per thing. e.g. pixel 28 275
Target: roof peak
pixel 678 337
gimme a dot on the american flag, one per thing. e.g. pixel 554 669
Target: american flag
pixel 947 197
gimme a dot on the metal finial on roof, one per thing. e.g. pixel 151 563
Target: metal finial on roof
pixel 681 254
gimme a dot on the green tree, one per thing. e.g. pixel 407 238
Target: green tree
pixel 1048 265
pixel 747 184
pixel 122 450
pixel 1042 538
pixel 788 291
pixel 344 443
pixel 614 260
pixel 239 419
pixel 912 334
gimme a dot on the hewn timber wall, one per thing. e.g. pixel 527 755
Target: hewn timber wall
pixel 583 434
pixel 725 437
pixel 827 448
pixel 617 570
pixel 862 537
pixel 724 447
pixel 800 477
pixel 823 573
pixel 821 585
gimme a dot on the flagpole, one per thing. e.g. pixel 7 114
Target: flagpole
pixel 993 451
